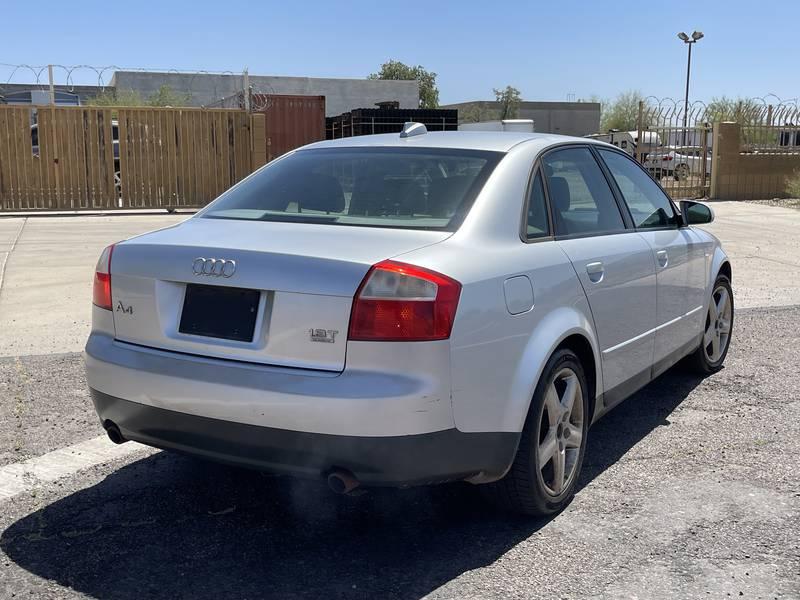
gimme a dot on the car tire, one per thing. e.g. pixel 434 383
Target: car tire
pixel 717 329
pixel 531 486
pixel 682 172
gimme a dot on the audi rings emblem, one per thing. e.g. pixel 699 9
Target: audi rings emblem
pixel 214 267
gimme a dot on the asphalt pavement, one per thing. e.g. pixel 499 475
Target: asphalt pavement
pixel 690 490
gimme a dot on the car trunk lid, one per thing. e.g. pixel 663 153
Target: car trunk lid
pixel 282 296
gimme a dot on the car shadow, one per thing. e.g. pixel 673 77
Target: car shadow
pixel 168 526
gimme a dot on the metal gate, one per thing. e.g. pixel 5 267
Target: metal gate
pixel 728 149
pixel 675 146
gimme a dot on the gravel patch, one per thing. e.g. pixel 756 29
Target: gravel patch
pixel 782 202
pixel 44 405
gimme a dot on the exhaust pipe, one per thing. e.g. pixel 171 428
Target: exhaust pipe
pixel 113 432
pixel 342 482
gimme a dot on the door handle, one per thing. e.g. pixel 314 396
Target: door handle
pixel 663 258
pixel 596 271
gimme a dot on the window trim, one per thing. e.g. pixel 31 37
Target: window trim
pixel 627 222
pixel 615 188
pixel 523 228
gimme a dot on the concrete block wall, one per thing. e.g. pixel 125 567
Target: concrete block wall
pixel 564 118
pixel 341 95
pixel 747 176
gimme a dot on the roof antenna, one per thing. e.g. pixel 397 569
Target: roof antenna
pixel 411 129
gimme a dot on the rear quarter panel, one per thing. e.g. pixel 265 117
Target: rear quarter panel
pixel 496 357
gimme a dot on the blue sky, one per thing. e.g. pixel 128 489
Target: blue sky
pixel 546 49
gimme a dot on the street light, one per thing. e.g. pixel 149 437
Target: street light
pixel 696 35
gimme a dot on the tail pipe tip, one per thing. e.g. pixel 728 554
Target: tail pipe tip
pixel 113 432
pixel 342 482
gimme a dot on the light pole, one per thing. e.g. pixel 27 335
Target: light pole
pixel 696 35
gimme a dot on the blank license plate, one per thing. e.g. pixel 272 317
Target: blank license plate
pixel 220 312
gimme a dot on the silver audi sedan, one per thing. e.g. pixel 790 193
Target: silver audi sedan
pixel 409 309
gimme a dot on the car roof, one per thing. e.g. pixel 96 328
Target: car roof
pixel 496 141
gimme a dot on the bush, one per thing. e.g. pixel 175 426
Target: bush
pixel 793 185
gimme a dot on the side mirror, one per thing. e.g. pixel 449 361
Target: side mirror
pixel 696 213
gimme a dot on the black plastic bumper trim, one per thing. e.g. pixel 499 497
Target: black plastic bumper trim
pixel 441 456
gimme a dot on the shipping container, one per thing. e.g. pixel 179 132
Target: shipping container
pixel 291 121
pixel 368 121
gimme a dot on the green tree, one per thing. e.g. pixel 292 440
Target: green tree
pixel 754 115
pixel 745 111
pixel 117 98
pixel 396 70
pixel 476 113
pixel 509 99
pixel 793 185
pixel 165 96
pixel 621 113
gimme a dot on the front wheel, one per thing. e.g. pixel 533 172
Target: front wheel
pixel 718 328
pixel 544 475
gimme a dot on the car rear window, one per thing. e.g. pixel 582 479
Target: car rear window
pixel 414 188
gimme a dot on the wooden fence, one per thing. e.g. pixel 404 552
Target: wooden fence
pixel 74 158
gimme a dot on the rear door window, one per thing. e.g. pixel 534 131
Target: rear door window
pixel 417 188
pixel 580 197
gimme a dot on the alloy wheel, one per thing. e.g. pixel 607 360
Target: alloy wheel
pixel 560 432
pixel 718 324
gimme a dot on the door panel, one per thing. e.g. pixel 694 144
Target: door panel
pixel 681 278
pixel 615 266
pixel 679 258
pixel 617 273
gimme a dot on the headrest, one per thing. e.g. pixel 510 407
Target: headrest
pixel 559 194
pixel 321 192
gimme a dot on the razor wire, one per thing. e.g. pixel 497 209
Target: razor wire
pixel 258 95
pixel 768 110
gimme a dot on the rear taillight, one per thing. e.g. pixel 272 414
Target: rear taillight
pixel 666 158
pixel 397 302
pixel 101 294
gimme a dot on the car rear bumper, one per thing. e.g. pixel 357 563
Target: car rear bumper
pixel 385 390
pixel 388 417
pixel 436 457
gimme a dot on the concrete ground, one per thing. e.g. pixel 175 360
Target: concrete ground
pixel 690 489
pixel 45 295
pixel 762 242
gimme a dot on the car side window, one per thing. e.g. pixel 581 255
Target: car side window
pixel 649 206
pixel 537 225
pixel 580 197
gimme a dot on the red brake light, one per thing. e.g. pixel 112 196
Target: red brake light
pixel 667 157
pixel 398 302
pixel 101 293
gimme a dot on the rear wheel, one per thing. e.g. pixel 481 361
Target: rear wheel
pixel 718 328
pixel 545 471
